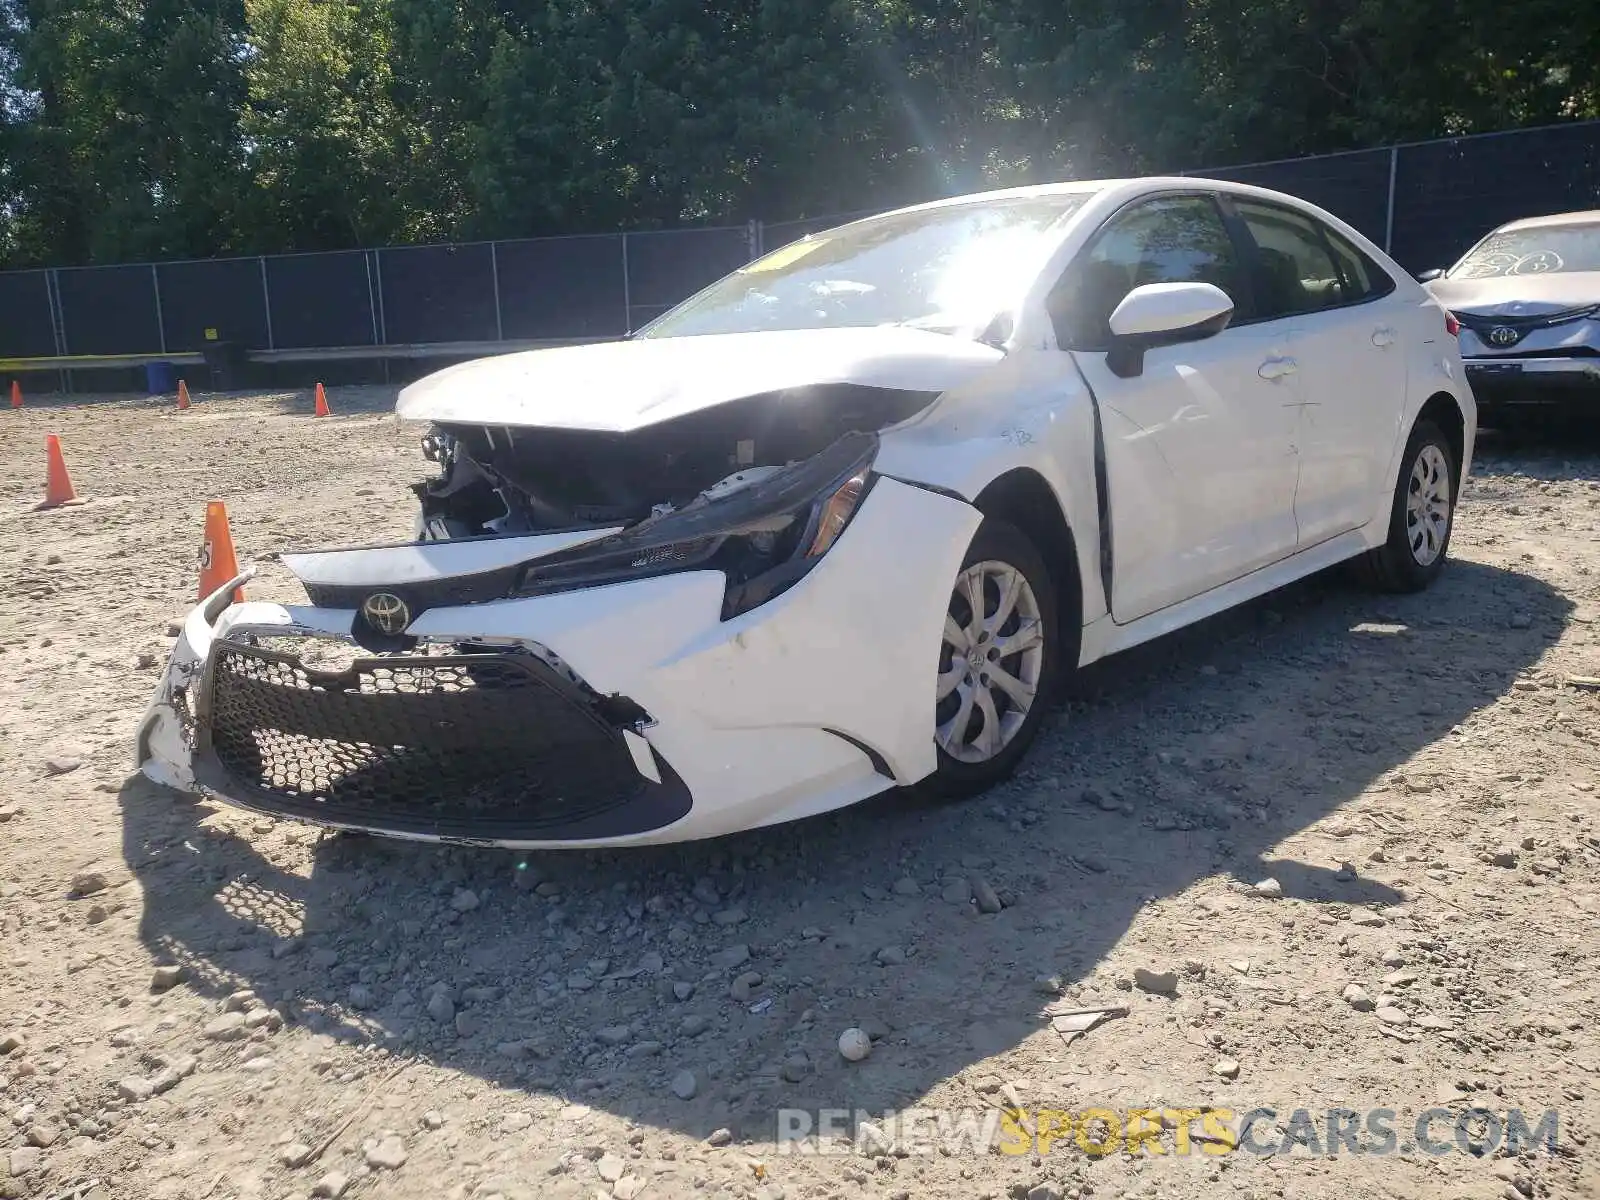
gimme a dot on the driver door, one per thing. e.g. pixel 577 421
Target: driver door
pixel 1201 464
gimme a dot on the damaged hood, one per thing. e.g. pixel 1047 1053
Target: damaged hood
pixel 617 387
pixel 1519 295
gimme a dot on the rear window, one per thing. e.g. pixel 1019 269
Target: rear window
pixel 1536 250
pixel 1363 278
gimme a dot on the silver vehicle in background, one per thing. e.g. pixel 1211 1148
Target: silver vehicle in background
pixel 1528 301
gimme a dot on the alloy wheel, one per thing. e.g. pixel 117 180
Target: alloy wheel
pixel 990 661
pixel 1428 505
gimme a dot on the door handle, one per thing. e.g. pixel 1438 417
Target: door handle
pixel 1383 336
pixel 1277 368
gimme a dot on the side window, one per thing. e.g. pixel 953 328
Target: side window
pixel 1293 273
pixel 1177 239
pixel 1363 279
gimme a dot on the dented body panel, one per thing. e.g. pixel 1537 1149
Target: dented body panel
pixel 748 752
pixel 619 387
pixel 1033 412
pixel 417 562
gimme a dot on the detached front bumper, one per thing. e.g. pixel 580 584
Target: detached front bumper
pixel 684 725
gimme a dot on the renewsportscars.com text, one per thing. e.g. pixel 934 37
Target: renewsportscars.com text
pixel 1163 1130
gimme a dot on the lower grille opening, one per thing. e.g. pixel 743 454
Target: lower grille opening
pixel 479 746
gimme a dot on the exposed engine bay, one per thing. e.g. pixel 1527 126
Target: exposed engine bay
pixel 521 479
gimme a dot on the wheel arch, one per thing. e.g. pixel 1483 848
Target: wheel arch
pixel 1443 410
pixel 1024 498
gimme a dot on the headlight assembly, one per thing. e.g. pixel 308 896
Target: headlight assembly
pixel 763 537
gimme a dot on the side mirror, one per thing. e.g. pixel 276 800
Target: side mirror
pixel 1164 314
pixel 1430 274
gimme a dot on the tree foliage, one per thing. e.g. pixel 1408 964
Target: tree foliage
pixel 162 128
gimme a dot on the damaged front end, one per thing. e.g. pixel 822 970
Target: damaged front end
pixel 595 637
pixel 278 709
pixel 165 744
pixel 757 489
pixel 500 479
pixel 480 738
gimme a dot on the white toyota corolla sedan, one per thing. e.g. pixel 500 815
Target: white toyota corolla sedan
pixel 839 523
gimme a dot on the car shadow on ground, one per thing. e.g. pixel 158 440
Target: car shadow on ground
pixel 1188 760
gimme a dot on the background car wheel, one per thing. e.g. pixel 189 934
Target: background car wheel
pixel 1422 517
pixel 998 661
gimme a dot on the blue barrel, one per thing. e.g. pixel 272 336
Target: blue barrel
pixel 159 378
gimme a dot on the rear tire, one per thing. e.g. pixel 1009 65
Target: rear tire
pixel 1421 518
pixel 998 668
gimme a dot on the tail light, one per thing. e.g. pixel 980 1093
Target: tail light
pixel 1451 325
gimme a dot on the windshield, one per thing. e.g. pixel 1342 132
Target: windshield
pixel 1537 250
pixel 948 269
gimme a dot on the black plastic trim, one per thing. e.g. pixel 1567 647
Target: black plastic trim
pixel 419 597
pixel 1481 323
pixel 936 489
pixel 1102 496
pixel 879 763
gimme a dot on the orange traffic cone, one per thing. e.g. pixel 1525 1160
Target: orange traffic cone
pixel 57 483
pixel 217 561
pixel 16 394
pixel 322 402
pixel 183 395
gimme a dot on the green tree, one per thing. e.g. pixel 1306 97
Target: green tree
pixel 321 130
pixel 124 140
pixel 193 127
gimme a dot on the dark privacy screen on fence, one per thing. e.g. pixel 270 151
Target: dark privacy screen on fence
pixel 571 287
pixel 26 330
pixel 223 295
pixel 322 300
pixel 1353 187
pixel 1426 203
pixel 438 294
pixel 1449 194
pixel 108 310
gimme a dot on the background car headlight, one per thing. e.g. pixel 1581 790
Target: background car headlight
pixel 764 537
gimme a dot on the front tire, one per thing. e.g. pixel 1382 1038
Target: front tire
pixel 1422 517
pixel 999 659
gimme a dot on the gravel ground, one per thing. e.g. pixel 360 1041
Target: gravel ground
pixel 1221 835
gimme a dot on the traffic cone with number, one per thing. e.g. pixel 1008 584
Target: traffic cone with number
pixel 57 483
pixel 217 561
pixel 183 395
pixel 322 402
pixel 16 394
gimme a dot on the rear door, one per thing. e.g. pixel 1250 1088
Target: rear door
pixel 1351 347
pixel 1199 462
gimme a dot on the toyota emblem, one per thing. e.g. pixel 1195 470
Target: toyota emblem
pixel 1503 335
pixel 386 613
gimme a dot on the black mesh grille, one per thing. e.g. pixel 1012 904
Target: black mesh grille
pixel 477 745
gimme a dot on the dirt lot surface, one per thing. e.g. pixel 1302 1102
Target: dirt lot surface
pixel 198 1003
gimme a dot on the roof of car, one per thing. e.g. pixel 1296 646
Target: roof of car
pixel 1587 217
pixel 1124 183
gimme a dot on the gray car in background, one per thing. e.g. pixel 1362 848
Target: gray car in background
pixel 1528 301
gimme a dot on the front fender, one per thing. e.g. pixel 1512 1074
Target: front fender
pixel 852 648
pixel 1033 412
